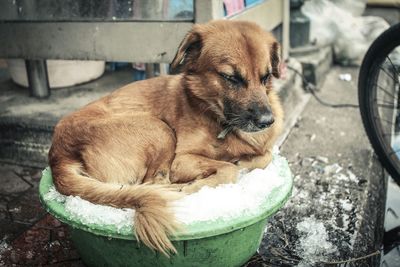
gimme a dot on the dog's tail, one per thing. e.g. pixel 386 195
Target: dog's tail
pixel 154 221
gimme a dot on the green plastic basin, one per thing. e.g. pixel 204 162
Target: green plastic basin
pixel 211 244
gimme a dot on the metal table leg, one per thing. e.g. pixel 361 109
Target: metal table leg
pixel 37 78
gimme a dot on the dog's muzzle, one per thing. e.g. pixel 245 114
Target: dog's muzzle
pixel 264 120
pixel 253 119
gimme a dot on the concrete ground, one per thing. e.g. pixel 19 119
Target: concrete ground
pixel 337 209
pixel 339 194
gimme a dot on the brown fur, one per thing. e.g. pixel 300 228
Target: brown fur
pixel 136 146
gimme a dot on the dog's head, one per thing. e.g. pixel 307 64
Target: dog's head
pixel 229 65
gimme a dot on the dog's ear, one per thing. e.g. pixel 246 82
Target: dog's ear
pixel 188 52
pixel 275 52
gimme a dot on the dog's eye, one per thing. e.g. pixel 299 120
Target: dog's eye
pixel 265 78
pixel 233 79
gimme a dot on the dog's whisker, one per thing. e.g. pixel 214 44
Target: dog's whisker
pixel 224 132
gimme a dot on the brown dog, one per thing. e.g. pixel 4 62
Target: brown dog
pixel 192 129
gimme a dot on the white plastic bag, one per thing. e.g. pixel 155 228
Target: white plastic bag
pixel 323 28
pixel 355 7
pixel 333 23
pixel 352 44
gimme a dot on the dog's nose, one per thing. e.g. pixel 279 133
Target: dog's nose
pixel 265 120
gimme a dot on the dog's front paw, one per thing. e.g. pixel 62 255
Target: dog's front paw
pixel 235 161
pixel 244 164
pixel 258 162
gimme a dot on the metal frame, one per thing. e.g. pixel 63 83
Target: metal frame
pixel 121 41
pixel 151 42
pixel 132 41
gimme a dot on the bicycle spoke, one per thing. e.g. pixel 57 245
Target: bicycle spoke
pixel 379 101
pixel 394 69
pixel 384 90
pixel 388 74
pixel 386 106
pixel 381 119
pixel 387 134
pixel 394 152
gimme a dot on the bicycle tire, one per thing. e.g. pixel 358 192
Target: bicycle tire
pixel 367 86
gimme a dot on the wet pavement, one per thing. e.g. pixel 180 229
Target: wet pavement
pixel 28 235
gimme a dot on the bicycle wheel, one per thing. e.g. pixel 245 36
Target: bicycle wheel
pixel 379 95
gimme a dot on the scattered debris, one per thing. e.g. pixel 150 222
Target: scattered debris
pixel 29 254
pixel 332 169
pixel 322 159
pixel 346 205
pixel 313 244
pixel 4 247
pixel 345 77
pixel 307 162
pixel 320 120
pixel 55 243
pixel 315 240
pixel 15 210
